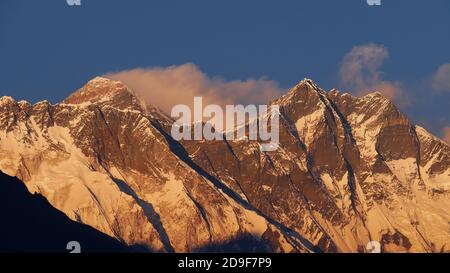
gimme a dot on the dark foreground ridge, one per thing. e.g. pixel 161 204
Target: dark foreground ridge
pixel 30 224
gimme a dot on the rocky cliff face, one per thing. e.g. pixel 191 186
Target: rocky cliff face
pixel 348 171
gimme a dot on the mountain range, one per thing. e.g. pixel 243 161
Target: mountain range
pixel 349 170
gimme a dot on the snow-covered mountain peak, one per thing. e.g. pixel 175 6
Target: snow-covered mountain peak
pixel 102 82
pixel 41 104
pixel 97 90
pixel 6 100
pixel 304 89
pixel 376 96
pixel 105 92
pixel 24 104
pixel 306 85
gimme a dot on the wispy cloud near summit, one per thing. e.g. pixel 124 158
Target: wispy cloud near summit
pixel 440 81
pixel 360 73
pixel 168 86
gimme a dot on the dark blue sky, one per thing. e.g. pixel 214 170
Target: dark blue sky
pixel 48 49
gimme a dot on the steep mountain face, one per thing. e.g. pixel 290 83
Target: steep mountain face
pixel 348 171
pixel 33 225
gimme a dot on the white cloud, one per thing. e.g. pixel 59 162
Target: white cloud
pixel 169 86
pixel 440 81
pixel 360 73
